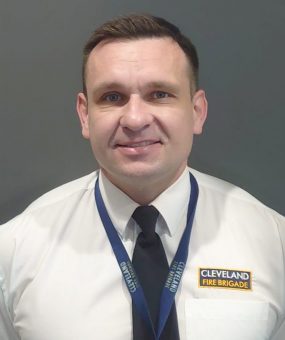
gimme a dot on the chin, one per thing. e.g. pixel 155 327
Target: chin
pixel 128 172
pixel 143 175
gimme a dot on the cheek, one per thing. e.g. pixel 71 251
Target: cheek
pixel 101 130
pixel 182 125
pixel 182 133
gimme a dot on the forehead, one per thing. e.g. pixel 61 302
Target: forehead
pixel 145 55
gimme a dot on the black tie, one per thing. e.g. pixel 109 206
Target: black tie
pixel 151 266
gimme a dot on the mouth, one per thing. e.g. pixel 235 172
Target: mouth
pixel 141 148
pixel 140 144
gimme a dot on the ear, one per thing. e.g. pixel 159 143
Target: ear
pixel 82 110
pixel 200 110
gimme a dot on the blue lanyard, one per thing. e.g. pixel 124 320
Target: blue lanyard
pixel 125 264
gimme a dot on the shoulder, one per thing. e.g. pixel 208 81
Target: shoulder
pixel 227 207
pixel 26 239
pixel 223 189
pixel 64 192
pixel 65 195
pixel 55 197
pixel 48 212
pixel 233 200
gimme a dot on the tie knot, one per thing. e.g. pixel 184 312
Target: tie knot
pixel 146 217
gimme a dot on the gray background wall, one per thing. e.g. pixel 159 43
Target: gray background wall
pixel 242 53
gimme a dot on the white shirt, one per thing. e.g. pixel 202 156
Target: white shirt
pixel 60 280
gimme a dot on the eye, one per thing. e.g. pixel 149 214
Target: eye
pixel 160 95
pixel 112 97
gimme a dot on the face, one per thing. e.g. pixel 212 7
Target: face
pixel 139 113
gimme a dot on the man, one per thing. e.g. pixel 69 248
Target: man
pixel 65 268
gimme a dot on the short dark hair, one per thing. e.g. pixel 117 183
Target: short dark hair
pixel 137 26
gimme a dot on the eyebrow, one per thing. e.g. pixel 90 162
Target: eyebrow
pixel 163 85
pixel 172 87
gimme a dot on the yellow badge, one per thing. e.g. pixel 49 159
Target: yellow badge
pixel 224 278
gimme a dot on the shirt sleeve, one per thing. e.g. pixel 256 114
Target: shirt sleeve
pixel 7 331
pixel 280 335
pixel 281 228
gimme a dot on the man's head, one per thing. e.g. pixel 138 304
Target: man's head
pixel 135 27
pixel 139 110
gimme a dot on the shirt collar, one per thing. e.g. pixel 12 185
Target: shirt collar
pixel 172 204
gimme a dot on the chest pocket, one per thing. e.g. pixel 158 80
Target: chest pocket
pixel 226 319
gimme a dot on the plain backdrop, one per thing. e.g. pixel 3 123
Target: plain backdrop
pixel 242 53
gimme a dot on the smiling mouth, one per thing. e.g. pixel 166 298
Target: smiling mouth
pixel 138 144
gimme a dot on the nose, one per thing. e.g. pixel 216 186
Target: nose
pixel 136 114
